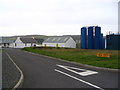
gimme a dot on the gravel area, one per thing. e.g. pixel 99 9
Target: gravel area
pixel 10 74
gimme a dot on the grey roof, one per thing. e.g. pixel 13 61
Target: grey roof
pixel 76 38
pixel 28 40
pixel 59 39
pixel 24 40
pixel 7 40
pixel 39 40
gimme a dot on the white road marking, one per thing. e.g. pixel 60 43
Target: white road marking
pixel 79 79
pixel 18 84
pixel 84 73
pixel 87 73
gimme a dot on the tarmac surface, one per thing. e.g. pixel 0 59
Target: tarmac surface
pixel 44 72
pixel 10 74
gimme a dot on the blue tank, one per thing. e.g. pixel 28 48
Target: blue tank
pixel 90 38
pixel 93 42
pixel 101 38
pixel 97 37
pixel 103 43
pixel 83 38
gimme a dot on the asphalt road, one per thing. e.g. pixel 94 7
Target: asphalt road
pixel 10 74
pixel 44 72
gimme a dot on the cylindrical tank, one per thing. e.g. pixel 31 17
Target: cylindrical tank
pixel 103 43
pixel 90 38
pixel 97 37
pixel 101 38
pixel 83 38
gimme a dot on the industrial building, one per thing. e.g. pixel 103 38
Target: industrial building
pixel 92 38
pixel 60 41
pixel 113 42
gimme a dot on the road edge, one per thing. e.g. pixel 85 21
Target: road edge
pixel 85 65
pixel 20 82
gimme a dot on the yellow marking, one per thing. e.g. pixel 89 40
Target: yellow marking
pixel 45 45
pixel 57 46
pixel 103 55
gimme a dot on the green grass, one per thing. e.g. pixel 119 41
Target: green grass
pixel 80 55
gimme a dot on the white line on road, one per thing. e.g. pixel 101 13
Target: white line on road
pixel 21 79
pixel 70 67
pixel 79 79
pixel 83 73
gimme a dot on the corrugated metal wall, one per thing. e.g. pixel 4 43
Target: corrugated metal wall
pixel 113 42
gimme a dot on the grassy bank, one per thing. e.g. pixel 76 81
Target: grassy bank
pixel 81 56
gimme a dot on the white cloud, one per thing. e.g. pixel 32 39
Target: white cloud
pixel 56 17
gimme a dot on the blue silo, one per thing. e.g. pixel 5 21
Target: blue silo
pixel 90 38
pixel 83 38
pixel 101 38
pixel 97 37
pixel 102 42
pixel 93 42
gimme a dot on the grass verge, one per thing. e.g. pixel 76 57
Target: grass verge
pixel 82 56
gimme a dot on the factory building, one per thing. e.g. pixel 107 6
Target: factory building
pixel 92 38
pixel 60 41
pixel 113 42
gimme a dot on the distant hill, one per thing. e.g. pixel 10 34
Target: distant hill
pixel 75 37
pixel 25 36
pixel 30 36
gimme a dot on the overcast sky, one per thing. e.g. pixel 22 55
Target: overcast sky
pixel 56 17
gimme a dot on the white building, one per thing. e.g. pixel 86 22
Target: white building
pixel 60 41
pixel 20 42
pixel 24 42
pixel 5 42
